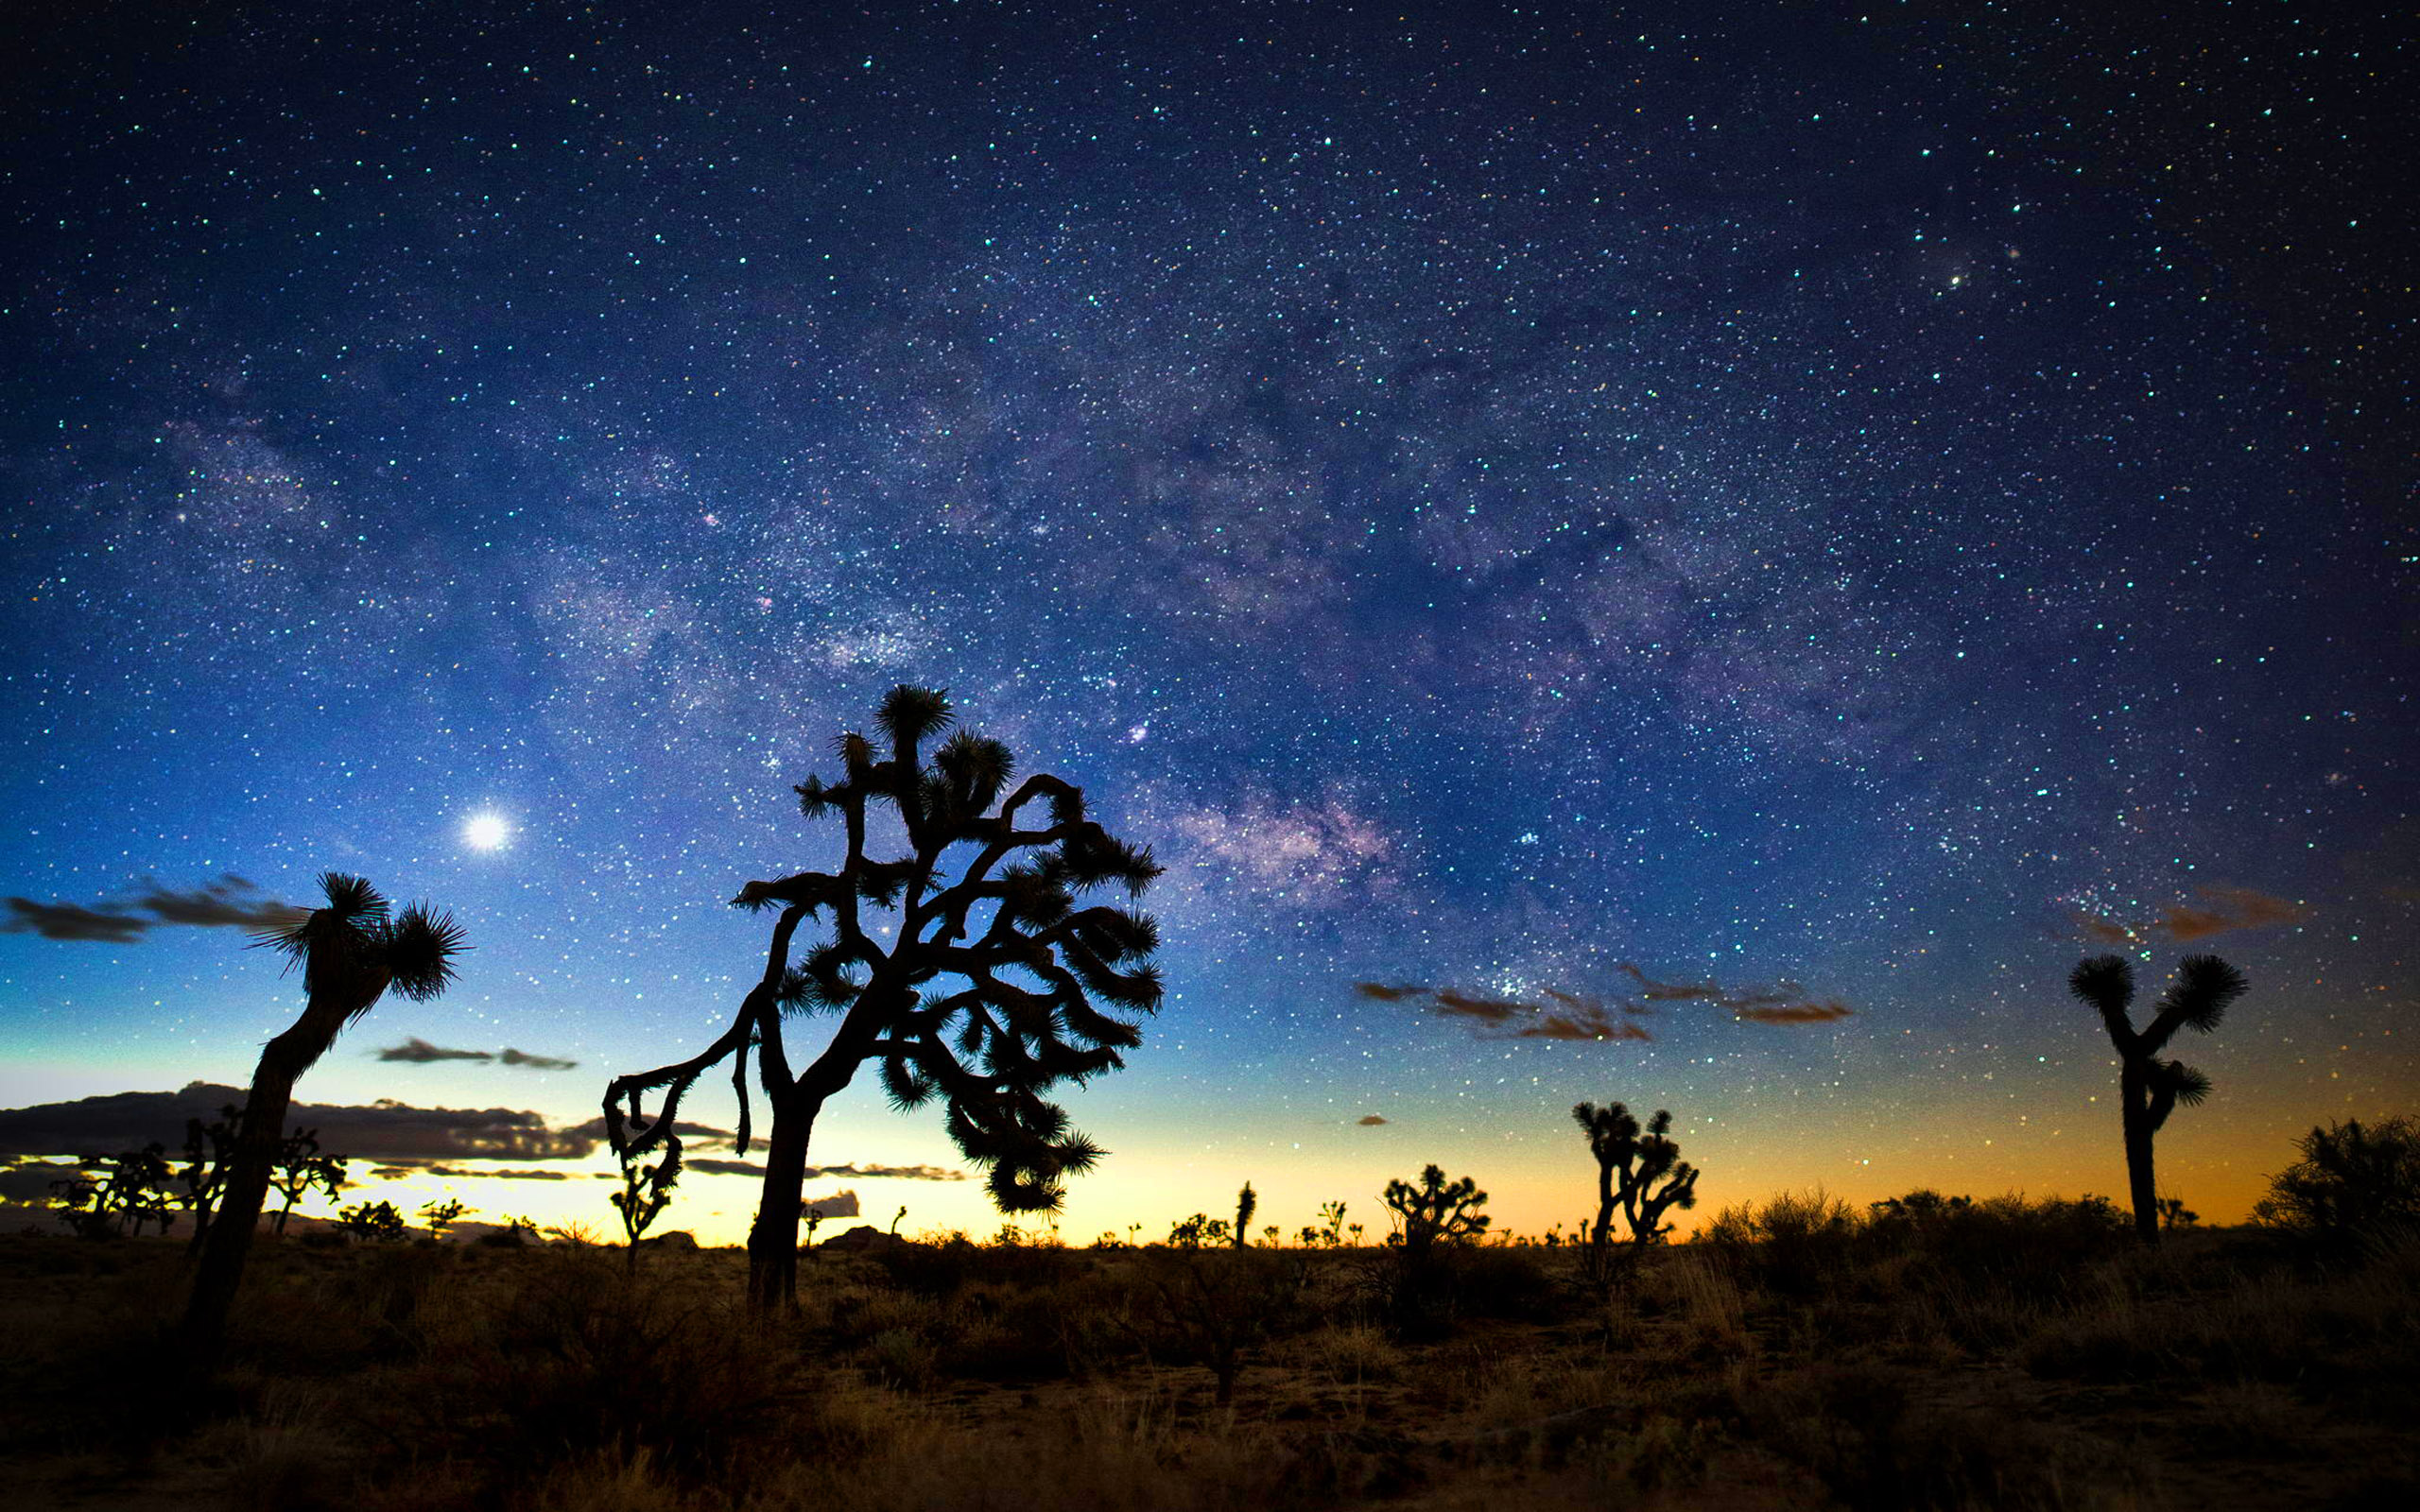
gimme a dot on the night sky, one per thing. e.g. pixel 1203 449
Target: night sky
pixel 1693 555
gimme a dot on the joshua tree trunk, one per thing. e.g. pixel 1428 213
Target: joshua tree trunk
pixel 1601 1239
pixel 772 1239
pixel 257 1141
pixel 2133 1098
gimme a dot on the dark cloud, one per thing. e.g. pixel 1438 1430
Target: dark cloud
pixel 1568 1027
pixel 1652 990
pixel 232 902
pixel 1371 1120
pixel 1486 1010
pixel 887 1173
pixel 418 1052
pixel 1573 1016
pixel 595 1130
pixel 384 1130
pixel 510 1057
pixel 29 1181
pixel 402 1168
pixel 71 922
pixel 1796 1013
pixel 712 1166
pixel 838 1205
pixel 2216 909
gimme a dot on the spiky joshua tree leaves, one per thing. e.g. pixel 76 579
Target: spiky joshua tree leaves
pixel 960 964
pixel 352 954
pixel 2149 1088
pixel 1640 1172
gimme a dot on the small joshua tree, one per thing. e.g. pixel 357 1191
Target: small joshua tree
pixel 117 1194
pixel 377 1222
pixel 1630 1166
pixel 209 1147
pixel 1246 1202
pixel 979 982
pixel 2149 1088
pixel 440 1217
pixel 300 1168
pixel 1437 1211
pixel 1197 1231
pixel 136 1188
pixel 647 1190
pixel 352 955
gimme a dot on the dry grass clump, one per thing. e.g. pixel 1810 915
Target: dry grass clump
pixel 1869 1436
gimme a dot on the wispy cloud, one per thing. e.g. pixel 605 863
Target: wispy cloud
pixel 1371 1120
pixel 818 1173
pixel 2215 909
pixel 418 1052
pixel 1574 1016
pixel 232 902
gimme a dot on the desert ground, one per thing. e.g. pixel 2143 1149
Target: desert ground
pixel 2004 1354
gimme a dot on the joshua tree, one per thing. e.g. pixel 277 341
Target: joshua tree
pixel 979 983
pixel 1629 1166
pixel 1436 1210
pixel 1246 1201
pixel 647 1190
pixel 209 1147
pixel 350 953
pixel 2149 1088
pixel 117 1194
pixel 440 1217
pixel 301 1167
pixel 378 1222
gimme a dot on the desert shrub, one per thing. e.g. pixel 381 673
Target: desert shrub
pixel 1868 1436
pixel 575 1359
pixel 1795 1245
pixel 1985 1269
pixel 1211 1307
pixel 2353 1185
pixel 1500 1281
pixel 2351 1337
pixel 945 1268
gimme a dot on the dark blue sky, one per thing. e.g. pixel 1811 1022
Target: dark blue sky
pixel 1778 501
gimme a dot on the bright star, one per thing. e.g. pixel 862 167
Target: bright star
pixel 486 831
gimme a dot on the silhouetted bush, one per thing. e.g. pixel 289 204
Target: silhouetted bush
pixel 1794 1245
pixel 2354 1184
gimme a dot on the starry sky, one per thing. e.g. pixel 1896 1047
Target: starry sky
pixel 1696 555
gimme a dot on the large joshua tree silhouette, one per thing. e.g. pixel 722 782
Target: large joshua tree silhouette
pixel 1629 1166
pixel 2149 1088
pixel 959 965
pixel 352 954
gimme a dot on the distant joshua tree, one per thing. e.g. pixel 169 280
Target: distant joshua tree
pixel 209 1148
pixel 981 983
pixel 1629 1165
pixel 647 1190
pixel 300 1168
pixel 2149 1088
pixel 1247 1201
pixel 352 954
pixel 1437 1211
